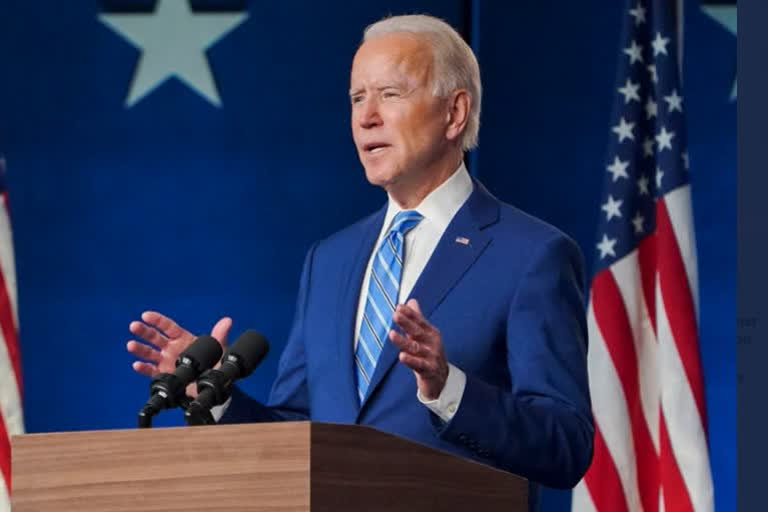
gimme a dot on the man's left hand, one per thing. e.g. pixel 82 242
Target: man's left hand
pixel 421 349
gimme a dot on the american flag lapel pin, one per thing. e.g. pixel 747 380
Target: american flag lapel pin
pixel 462 240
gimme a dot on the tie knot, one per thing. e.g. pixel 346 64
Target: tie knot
pixel 405 221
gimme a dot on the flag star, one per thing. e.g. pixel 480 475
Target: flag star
pixel 651 108
pixel 606 246
pixel 675 101
pixel 611 208
pixel 182 56
pixel 637 221
pixel 629 91
pixel 660 44
pixel 642 185
pixel 618 168
pixel 664 139
pixel 686 161
pixel 654 74
pixel 648 147
pixel 635 52
pixel 659 175
pixel 638 13
pixel 624 130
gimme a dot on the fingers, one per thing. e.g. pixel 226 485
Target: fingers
pixel 409 345
pixel 147 369
pixel 164 324
pixel 149 334
pixel 144 351
pixel 221 329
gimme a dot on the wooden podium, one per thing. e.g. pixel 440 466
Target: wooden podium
pixel 275 467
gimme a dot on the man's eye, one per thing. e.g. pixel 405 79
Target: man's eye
pixel 356 99
pixel 390 94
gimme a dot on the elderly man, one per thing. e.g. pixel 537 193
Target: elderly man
pixel 446 317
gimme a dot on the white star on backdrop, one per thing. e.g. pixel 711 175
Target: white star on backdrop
pixel 173 41
pixel 651 108
pixel 686 160
pixel 611 208
pixel 675 101
pixel 638 13
pixel 618 168
pixel 635 52
pixel 726 16
pixel 660 44
pixel 659 175
pixel 629 91
pixel 638 223
pixel 654 74
pixel 642 185
pixel 648 147
pixel 664 139
pixel 624 130
pixel 606 246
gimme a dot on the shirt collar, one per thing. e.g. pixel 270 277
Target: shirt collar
pixel 440 205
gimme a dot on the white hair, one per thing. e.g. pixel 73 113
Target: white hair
pixel 455 66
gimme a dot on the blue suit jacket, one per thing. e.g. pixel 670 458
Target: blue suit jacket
pixel 510 308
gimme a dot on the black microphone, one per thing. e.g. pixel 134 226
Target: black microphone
pixel 167 390
pixel 215 386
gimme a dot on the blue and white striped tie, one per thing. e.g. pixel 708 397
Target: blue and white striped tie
pixel 380 303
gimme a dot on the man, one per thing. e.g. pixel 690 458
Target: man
pixel 478 301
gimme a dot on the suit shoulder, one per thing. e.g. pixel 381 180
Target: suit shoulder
pixel 524 227
pixel 351 233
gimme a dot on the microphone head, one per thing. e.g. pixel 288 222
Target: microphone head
pixel 202 354
pixel 249 349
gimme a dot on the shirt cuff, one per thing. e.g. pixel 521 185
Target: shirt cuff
pixel 217 411
pixel 446 405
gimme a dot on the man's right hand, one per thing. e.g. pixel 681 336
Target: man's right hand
pixel 162 340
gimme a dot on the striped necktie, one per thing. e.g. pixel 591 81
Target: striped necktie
pixel 383 287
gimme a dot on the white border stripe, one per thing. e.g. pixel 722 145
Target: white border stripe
pixel 626 273
pixel 686 433
pixel 10 399
pixel 678 204
pixel 7 267
pixel 609 407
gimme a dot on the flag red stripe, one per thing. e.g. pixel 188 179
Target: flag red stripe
pixel 676 497
pixel 646 258
pixel 676 293
pixel 5 454
pixel 613 322
pixel 603 480
pixel 8 328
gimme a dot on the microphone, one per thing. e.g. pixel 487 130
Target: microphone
pixel 215 386
pixel 167 390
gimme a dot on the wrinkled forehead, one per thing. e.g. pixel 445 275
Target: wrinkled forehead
pixel 401 53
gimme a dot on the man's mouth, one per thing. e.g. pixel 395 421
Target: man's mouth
pixel 375 147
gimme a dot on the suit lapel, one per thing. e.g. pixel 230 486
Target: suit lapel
pixel 448 263
pixel 349 291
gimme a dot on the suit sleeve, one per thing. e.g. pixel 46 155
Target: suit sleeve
pixel 541 426
pixel 289 399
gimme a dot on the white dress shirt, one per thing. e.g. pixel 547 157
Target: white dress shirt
pixel 438 209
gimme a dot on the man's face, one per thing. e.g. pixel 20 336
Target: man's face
pixel 398 125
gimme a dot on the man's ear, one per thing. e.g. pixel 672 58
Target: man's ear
pixel 458 113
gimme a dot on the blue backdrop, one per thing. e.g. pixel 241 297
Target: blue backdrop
pixel 198 210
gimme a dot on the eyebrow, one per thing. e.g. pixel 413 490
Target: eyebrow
pixel 391 85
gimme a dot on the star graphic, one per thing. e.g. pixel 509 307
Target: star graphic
pixel 638 13
pixel 664 139
pixel 624 130
pixel 686 160
pixel 675 101
pixel 654 74
pixel 726 16
pixel 642 185
pixel 611 208
pixel 618 168
pixel 635 52
pixel 659 175
pixel 660 44
pixel 648 147
pixel 629 91
pixel 173 41
pixel 606 247
pixel 651 108
pixel 638 223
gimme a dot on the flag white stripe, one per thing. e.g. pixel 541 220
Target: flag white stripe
pixel 581 500
pixel 10 398
pixel 5 496
pixel 7 266
pixel 626 273
pixel 609 408
pixel 686 433
pixel 680 211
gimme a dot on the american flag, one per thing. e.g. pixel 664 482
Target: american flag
pixel 650 447
pixel 11 418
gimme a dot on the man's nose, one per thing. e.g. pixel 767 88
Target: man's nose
pixel 368 113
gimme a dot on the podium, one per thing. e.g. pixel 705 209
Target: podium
pixel 269 467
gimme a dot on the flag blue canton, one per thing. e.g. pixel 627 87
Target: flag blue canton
pixel 647 155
